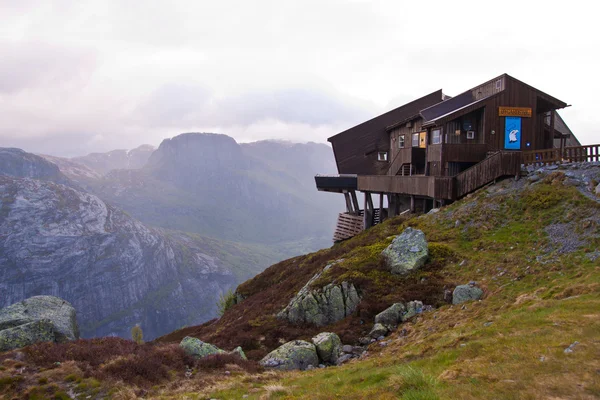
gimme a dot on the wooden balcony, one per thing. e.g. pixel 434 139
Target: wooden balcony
pixel 586 153
pixel 437 187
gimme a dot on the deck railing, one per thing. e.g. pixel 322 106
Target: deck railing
pixel 553 156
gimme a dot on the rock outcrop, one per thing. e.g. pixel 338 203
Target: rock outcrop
pixel 464 293
pixel 323 306
pixel 391 316
pixel 297 354
pixel 199 349
pixel 407 252
pixel 37 319
pixel 329 347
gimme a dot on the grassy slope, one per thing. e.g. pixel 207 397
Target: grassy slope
pixel 511 345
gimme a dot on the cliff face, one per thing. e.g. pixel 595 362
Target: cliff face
pixel 116 159
pixel 59 240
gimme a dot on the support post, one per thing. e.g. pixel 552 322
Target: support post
pixel 348 202
pixel 355 201
pixel 381 208
pixel 412 203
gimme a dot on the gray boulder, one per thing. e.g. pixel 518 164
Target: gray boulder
pixel 19 321
pixel 407 252
pixel 469 292
pixel 297 354
pixel 199 349
pixel 412 308
pixel 329 347
pixel 238 350
pixel 323 306
pixel 391 316
pixel 378 330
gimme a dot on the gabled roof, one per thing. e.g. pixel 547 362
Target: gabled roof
pixel 468 101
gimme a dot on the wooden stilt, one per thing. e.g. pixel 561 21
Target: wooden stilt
pixel 412 204
pixel 354 201
pixel 348 202
pixel 381 216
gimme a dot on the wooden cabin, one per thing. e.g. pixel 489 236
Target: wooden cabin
pixel 438 148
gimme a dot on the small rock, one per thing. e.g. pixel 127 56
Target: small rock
pixel 296 354
pixel 463 293
pixel 463 262
pixel 344 359
pixel 412 308
pixel 434 211
pixel 542 358
pixel 380 338
pixel 407 252
pixel 487 324
pixel 383 344
pixel 378 330
pixel 533 178
pixel 552 167
pixel 463 307
pixel 597 191
pixel 391 316
pixel 457 223
pixel 197 348
pixel 347 348
pixel 310 367
pixel 329 347
pixel 227 373
pixel 322 366
pixel 364 340
pixel 571 347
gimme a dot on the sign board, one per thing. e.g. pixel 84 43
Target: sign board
pixel 514 112
pixel 512 133
pixel 422 137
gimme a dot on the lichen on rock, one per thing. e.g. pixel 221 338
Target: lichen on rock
pixel 407 252
pixel 199 349
pixel 329 347
pixel 297 354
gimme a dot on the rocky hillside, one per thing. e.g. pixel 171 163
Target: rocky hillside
pixel 494 296
pixel 253 193
pixel 117 272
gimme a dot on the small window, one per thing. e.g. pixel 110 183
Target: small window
pixel 436 136
pixel 382 156
pixel 415 140
pixel 401 141
pixel 470 134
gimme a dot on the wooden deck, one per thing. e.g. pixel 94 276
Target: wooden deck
pixel 445 188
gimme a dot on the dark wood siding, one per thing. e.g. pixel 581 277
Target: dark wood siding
pixel 356 149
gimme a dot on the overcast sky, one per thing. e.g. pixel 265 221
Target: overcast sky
pixel 79 76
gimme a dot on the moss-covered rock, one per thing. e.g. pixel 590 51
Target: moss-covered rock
pixel 378 330
pixel 238 350
pixel 297 354
pixel 27 334
pixel 329 347
pixel 407 252
pixel 199 349
pixel 464 293
pixel 38 319
pixel 323 306
pixel 391 316
pixel 412 308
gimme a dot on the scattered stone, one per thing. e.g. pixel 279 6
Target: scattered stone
pixel 542 358
pixel 391 316
pixel 571 347
pixel 329 347
pixel 407 252
pixel 378 330
pixel 347 348
pixel 310 367
pixel 463 262
pixel 533 178
pixel 197 348
pixel 463 307
pixel 322 366
pixel 380 338
pixel 463 293
pixel 383 344
pixel 457 223
pixel 597 191
pixel 463 345
pixel 487 324
pixel 434 211
pixel 364 340
pixel 37 319
pixel 297 354
pixel 344 359
pixel 412 308
pixel 551 167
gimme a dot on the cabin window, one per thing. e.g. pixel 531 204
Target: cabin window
pixel 470 134
pixel 401 141
pixel 415 140
pixel 436 136
pixel 382 156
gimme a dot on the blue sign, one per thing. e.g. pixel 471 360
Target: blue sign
pixel 512 133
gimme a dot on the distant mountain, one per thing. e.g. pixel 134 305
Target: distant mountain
pixel 102 163
pixel 56 239
pixel 261 192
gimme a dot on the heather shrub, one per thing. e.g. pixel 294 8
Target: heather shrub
pixel 137 335
pixel 226 301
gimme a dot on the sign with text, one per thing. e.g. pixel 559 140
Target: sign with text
pixel 514 112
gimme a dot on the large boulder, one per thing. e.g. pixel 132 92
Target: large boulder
pixel 199 349
pixel 323 306
pixel 407 252
pixel 297 354
pixel 36 319
pixel 378 330
pixel 329 347
pixel 464 293
pixel 391 316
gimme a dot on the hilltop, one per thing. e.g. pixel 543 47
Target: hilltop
pixel 531 245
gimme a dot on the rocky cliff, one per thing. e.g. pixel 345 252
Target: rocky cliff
pixel 117 272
